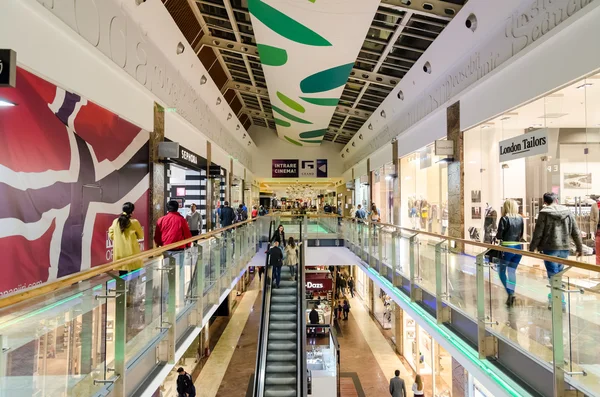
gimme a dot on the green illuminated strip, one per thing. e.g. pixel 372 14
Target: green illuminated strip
pixel 40 310
pixel 458 343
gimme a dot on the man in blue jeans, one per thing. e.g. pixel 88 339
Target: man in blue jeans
pixel 554 227
pixel 276 261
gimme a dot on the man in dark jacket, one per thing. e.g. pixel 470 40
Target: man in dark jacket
pixel 397 386
pixel 313 317
pixel 276 261
pixel 172 228
pixel 227 215
pixel 185 385
pixel 554 227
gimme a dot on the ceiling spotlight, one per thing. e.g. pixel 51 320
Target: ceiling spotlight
pixel 370 126
pixel 400 95
pixel 249 143
pixel 353 143
pixel 237 127
pixel 584 85
pixel 180 48
pixel 5 103
pixel 218 100
pixel 360 136
pixel 382 113
pixel 138 2
pixel 244 136
pixel 229 116
pixel 347 150
pixel 203 80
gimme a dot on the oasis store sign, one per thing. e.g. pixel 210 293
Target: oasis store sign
pixel 531 144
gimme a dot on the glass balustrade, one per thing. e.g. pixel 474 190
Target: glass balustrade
pixel 78 340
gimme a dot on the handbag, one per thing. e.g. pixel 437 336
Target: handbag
pixel 495 254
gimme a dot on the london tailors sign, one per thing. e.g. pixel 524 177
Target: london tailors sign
pixel 526 145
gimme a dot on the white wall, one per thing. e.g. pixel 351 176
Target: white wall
pixel 270 147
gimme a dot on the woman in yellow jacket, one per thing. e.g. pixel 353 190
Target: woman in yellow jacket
pixel 125 233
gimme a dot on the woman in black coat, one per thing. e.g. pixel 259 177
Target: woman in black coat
pixel 279 235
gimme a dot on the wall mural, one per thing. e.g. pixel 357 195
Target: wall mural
pixel 66 167
pixel 307 49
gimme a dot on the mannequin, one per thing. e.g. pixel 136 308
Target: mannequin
pixel 489 224
pixel 444 217
pixel 424 213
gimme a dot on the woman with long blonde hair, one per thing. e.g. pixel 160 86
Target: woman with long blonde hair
pixel 418 388
pixel 510 234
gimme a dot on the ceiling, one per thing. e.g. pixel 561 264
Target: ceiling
pixel 222 34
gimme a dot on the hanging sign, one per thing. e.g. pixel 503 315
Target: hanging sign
pixel 8 68
pixel 284 169
pixel 444 147
pixel 532 144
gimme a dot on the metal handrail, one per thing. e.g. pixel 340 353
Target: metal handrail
pixel 261 348
pixel 301 380
pixel 67 281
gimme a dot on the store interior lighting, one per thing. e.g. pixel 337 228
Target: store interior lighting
pixel 4 103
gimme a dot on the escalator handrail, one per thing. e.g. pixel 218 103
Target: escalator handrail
pixel 261 348
pixel 301 380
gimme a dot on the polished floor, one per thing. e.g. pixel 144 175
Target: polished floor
pixel 367 359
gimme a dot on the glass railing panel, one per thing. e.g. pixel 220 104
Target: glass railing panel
pixel 54 349
pixel 461 271
pixel 425 270
pixel 581 327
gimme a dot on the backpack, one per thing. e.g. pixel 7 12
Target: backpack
pixel 240 215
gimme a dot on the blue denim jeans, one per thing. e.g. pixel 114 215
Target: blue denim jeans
pixel 553 268
pixel 277 275
pixel 508 264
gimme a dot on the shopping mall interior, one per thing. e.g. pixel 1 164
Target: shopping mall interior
pixel 195 204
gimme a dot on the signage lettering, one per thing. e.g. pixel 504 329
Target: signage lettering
pixel 299 168
pixel 526 145
pixel 192 158
pixel 311 285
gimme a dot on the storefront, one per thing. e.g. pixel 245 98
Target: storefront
pixel 361 286
pixel 319 291
pixel 551 144
pixel 383 191
pixel 424 192
pixel 361 192
pixel 384 308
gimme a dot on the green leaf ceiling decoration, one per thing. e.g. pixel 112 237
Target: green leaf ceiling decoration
pixel 307 50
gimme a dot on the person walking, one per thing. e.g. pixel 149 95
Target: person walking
pixel 194 220
pixel 227 215
pixel 375 214
pixel 279 236
pixel 172 228
pixel 291 256
pixel 254 212
pixel 346 309
pixel 361 214
pixel 418 388
pixel 313 316
pixel 125 233
pixel 351 286
pixel 510 234
pixel 262 211
pixel 397 386
pixel 261 270
pixel 185 384
pixel 276 261
pixel 241 214
pixel 554 226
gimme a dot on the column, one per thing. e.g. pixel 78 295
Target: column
pixel 371 296
pixel 459 380
pixel 209 189
pixel 157 171
pixel 230 181
pixel 370 179
pixel 456 175
pixel 396 184
pixel 244 197
pixel 399 329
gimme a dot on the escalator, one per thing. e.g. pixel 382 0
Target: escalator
pixel 280 363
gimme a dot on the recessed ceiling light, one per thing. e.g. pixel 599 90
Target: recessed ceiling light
pixel 4 103
pixel 485 126
pixel 584 85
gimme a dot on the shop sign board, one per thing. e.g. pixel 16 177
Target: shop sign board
pixel 8 68
pixel 294 168
pixel 320 284
pixel 444 147
pixel 532 144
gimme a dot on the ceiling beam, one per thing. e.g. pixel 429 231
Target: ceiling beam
pixel 438 7
pixel 353 112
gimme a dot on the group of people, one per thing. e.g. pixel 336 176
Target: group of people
pixel 281 253
pixel 344 285
pixel 398 386
pixel 374 215
pixel 554 228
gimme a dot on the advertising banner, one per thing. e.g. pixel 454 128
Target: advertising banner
pixel 67 166
pixel 284 169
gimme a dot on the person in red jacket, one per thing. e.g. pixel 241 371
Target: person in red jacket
pixel 172 228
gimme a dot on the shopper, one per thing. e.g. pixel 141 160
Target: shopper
pixel 172 228
pixel 555 224
pixel 262 211
pixel 418 387
pixel 279 235
pixel 375 214
pixel 261 270
pixel 241 214
pixel 254 212
pixel 361 213
pixel 510 234
pixel 340 309
pixel 291 256
pixel 313 317
pixel 185 384
pixel 397 386
pixel 351 286
pixel 276 262
pixel 194 220
pixel 227 215
pixel 346 309
pixel 125 233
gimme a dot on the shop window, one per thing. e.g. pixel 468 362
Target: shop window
pixel 551 144
pixel 424 191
